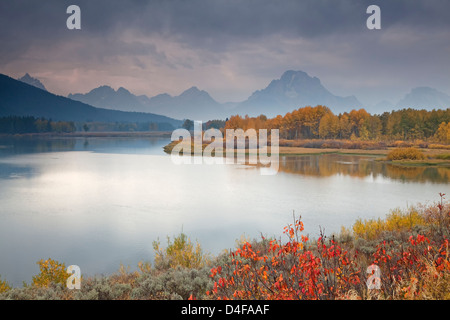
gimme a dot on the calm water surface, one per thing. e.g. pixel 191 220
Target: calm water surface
pixel 100 202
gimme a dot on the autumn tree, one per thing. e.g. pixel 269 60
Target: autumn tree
pixel 443 133
pixel 329 126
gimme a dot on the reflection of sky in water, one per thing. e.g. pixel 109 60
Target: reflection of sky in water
pixel 12 171
pixel 104 207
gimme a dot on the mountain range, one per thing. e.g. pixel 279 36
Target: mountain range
pixel 18 98
pixel 192 103
pixel 294 89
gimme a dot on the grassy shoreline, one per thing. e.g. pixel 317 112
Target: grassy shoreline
pixel 410 245
pixel 433 157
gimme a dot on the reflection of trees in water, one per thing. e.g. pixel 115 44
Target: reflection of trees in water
pixel 21 145
pixel 419 174
pixel 30 145
pixel 360 166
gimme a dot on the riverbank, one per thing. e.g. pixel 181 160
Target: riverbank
pixel 433 157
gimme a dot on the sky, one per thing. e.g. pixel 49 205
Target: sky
pixel 230 48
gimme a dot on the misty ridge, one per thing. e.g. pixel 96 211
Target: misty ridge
pixel 292 90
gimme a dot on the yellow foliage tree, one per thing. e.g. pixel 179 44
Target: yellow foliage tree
pixel 181 252
pixel 443 133
pixel 329 126
pixel 51 271
pixel 4 286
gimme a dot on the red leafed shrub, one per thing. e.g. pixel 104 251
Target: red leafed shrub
pixel 273 270
pixel 411 263
pixel 417 267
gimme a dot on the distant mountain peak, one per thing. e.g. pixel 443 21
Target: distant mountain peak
pixel 292 75
pixel 104 87
pixel 293 83
pixel 194 93
pixel 32 81
pixel 295 89
pixel 424 89
pixel 425 97
pixel 123 90
pixel 191 90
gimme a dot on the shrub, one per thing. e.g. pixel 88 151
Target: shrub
pixel 411 250
pixel 271 269
pixel 364 145
pixel 174 284
pixel 421 144
pixel 4 285
pixel 180 252
pixel 413 263
pixel 51 271
pixel 405 154
pixel 103 288
pixel 444 156
pixel 401 144
pixel 332 144
pixel 53 291
pixel 438 146
pixel 395 221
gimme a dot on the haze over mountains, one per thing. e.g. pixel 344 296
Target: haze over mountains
pixel 426 98
pixel 293 90
pixel 192 103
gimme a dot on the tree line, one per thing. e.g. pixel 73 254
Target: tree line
pixel 188 124
pixel 321 123
pixel 29 124
pixel 124 126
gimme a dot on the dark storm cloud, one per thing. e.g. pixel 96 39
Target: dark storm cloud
pixel 206 22
pixel 253 36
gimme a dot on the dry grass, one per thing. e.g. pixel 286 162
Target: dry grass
pixel 405 154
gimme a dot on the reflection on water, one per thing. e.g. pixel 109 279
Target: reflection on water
pixel 14 171
pixel 327 165
pixel 23 145
pixel 12 145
